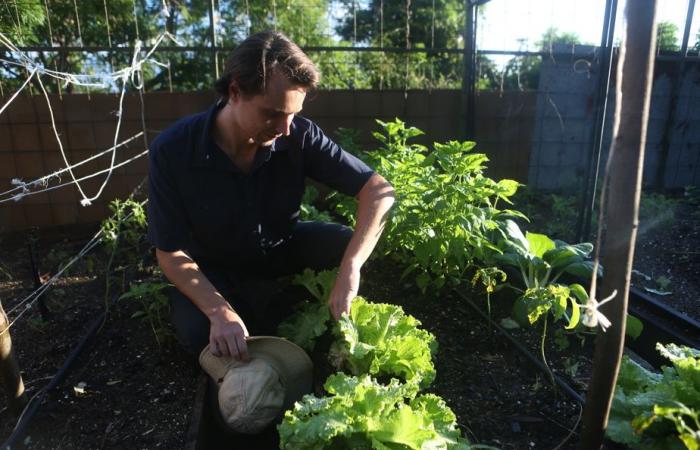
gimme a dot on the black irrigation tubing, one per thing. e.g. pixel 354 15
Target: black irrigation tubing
pixel 35 403
pixel 532 358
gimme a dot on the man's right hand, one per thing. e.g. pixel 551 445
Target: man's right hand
pixel 227 335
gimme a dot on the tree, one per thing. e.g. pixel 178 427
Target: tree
pixel 667 36
pixel 26 22
pixel 384 24
pixel 523 72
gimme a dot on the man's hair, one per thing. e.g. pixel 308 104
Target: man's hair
pixel 252 63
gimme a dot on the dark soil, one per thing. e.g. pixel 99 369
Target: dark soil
pixel 126 391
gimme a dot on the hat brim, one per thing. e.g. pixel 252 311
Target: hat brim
pixel 291 362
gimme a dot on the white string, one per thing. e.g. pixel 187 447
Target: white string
pixel 86 177
pixel 44 180
pixel 19 90
pixel 30 299
pixel 132 73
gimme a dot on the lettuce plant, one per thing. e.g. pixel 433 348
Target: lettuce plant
pixel 310 320
pixel 381 340
pixel 360 413
pixel 658 410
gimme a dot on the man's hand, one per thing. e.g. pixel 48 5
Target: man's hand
pixel 345 290
pixel 227 335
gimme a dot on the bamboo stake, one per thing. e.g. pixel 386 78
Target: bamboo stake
pixel 9 369
pixel 633 92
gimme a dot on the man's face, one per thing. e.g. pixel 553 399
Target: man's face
pixel 265 117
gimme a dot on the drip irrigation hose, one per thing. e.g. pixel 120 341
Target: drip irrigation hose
pixel 560 382
pixel 33 406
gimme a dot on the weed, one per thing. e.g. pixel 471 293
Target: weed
pixel 154 309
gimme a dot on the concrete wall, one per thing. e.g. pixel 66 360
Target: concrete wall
pixel 564 124
pixel 86 124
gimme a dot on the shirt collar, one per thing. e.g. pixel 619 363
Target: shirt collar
pixel 205 145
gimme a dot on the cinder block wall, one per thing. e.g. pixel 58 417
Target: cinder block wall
pixel 87 123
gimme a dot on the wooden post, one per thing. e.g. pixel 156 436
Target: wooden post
pixel 9 369
pixel 624 182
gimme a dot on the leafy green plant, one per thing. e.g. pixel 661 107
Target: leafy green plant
pixel 123 233
pixel 362 414
pixel 381 340
pixel 658 410
pixel 126 227
pixel 308 210
pixel 154 304
pixel 446 209
pixel 310 320
pixel 489 277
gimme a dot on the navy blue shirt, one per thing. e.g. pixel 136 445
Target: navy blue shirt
pixel 200 202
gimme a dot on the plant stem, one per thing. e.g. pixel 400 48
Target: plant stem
pixel 544 358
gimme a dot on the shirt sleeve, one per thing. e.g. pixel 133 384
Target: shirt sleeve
pixel 328 163
pixel 168 228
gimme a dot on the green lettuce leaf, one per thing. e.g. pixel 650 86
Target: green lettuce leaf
pixel 361 413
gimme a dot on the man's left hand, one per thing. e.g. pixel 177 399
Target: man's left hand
pixel 345 290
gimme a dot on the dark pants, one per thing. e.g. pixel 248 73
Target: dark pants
pixel 256 292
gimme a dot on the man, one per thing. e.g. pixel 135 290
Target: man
pixel 225 188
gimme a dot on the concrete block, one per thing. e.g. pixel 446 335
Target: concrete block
pixel 418 104
pixel 76 108
pixel 555 105
pixel 6 137
pixel 575 130
pixel 552 130
pixel 26 137
pixel 94 213
pixel 7 167
pixel 43 114
pixel 689 154
pixel 29 165
pixel 368 104
pixel 316 104
pixel 447 103
pixel 393 104
pixel 81 136
pixel 47 135
pixel 65 213
pixel 21 110
pixel 104 107
pixel 38 215
pixel 341 104
pixel 658 109
pixel 65 195
pixel 12 217
pixel 579 106
pixel 655 130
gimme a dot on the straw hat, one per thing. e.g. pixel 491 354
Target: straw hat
pixel 254 393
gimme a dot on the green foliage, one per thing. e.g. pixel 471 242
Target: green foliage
pixel 308 210
pixel 154 304
pixel 537 263
pixel 658 411
pixel 363 414
pixel 381 340
pixel 667 36
pixel 656 210
pixel 125 228
pixel 446 209
pixel 310 320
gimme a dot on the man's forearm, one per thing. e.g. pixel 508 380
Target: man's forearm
pixel 187 277
pixel 374 202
